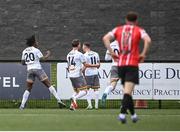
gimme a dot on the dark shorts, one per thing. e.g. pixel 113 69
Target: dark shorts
pixel 129 74
pixel 79 83
pixel 39 73
pixel 93 82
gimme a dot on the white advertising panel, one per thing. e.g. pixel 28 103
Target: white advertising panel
pixel 158 81
pixel 167 83
pixel 143 91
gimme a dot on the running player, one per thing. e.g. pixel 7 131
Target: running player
pixel 76 60
pixel 31 57
pixel 91 74
pixel 128 37
pixel 114 78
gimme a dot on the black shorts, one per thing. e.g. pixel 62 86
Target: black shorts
pixel 129 74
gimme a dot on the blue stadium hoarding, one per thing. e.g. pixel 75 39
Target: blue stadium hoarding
pixel 13 82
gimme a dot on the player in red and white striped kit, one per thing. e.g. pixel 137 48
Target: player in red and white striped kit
pixel 128 37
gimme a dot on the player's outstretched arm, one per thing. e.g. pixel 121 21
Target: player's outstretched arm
pixel 147 43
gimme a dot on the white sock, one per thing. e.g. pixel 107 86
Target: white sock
pixel 25 98
pixel 122 116
pixel 134 116
pixel 53 91
pixel 89 98
pixel 80 94
pixel 108 89
pixel 96 98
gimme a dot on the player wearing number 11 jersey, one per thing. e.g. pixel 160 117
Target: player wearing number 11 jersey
pixel 91 74
pixel 31 57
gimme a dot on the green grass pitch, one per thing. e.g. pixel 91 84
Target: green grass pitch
pixel 103 119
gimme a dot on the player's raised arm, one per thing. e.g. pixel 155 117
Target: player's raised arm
pixel 46 56
pixel 147 42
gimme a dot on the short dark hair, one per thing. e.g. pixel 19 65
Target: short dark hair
pixel 132 16
pixel 31 40
pixel 87 44
pixel 75 43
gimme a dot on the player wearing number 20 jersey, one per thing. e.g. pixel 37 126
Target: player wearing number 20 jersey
pixel 31 57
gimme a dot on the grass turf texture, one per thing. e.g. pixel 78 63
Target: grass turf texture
pixel 56 119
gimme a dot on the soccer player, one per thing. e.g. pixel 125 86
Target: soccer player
pixel 76 61
pixel 114 78
pixel 128 37
pixel 31 57
pixel 91 74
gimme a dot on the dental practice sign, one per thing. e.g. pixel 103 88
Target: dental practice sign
pixel 158 81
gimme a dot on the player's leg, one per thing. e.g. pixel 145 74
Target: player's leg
pixel 126 101
pixel 89 80
pixel 131 78
pixel 44 79
pixel 96 86
pixel 78 83
pixel 89 98
pixel 30 81
pixel 113 82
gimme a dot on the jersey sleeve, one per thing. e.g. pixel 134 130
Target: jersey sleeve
pixel 39 54
pixel 143 33
pixel 107 56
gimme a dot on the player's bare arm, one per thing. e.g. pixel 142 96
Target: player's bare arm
pixel 45 57
pixel 107 40
pixel 147 43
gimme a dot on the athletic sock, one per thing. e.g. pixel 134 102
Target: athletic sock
pixel 80 94
pixel 108 89
pixel 89 98
pixel 131 105
pixel 53 91
pixel 134 116
pixel 122 116
pixel 25 98
pixel 96 98
pixel 125 104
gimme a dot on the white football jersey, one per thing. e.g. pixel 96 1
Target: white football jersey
pixel 115 46
pixel 31 56
pixel 75 61
pixel 91 58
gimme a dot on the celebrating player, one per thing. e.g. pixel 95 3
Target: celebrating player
pixel 76 60
pixel 128 37
pixel 91 74
pixel 114 77
pixel 31 57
